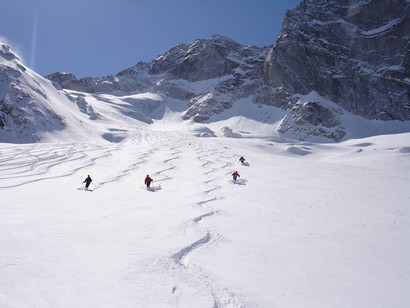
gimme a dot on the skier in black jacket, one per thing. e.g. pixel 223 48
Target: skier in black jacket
pixel 87 181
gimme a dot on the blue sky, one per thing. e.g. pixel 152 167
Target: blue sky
pixel 103 37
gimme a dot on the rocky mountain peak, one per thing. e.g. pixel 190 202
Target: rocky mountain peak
pixel 356 53
pixel 232 71
pixel 6 53
pixel 199 60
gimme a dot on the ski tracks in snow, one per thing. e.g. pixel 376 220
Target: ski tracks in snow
pixel 25 164
pixel 168 166
pixel 184 273
pixel 214 164
pixel 140 159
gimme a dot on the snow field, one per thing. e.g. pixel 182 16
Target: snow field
pixel 313 225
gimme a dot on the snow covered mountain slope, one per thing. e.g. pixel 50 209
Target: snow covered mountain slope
pixel 210 74
pixel 217 74
pixel 306 225
pixel 32 108
pixel 332 67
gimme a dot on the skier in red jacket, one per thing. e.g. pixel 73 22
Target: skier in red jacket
pixel 148 181
pixel 235 175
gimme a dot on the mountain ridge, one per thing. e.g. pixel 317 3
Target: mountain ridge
pixel 315 78
pixel 232 72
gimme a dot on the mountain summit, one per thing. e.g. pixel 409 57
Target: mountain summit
pixel 210 74
pixel 334 61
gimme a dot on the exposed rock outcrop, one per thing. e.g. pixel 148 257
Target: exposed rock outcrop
pixel 356 53
pixel 208 73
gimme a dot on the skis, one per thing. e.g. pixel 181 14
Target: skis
pixel 154 188
pixel 239 181
pixel 85 189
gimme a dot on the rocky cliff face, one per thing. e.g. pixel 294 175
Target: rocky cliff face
pixel 354 52
pixel 208 73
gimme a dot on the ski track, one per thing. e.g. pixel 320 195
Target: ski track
pixel 212 162
pixel 162 173
pixel 199 218
pixel 22 166
pixel 39 163
pixel 178 264
pixel 141 159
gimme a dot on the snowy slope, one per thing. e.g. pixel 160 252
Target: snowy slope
pixel 308 224
pixel 31 106
pixel 311 225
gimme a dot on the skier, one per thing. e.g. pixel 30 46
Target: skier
pixel 242 160
pixel 235 175
pixel 148 181
pixel 87 181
